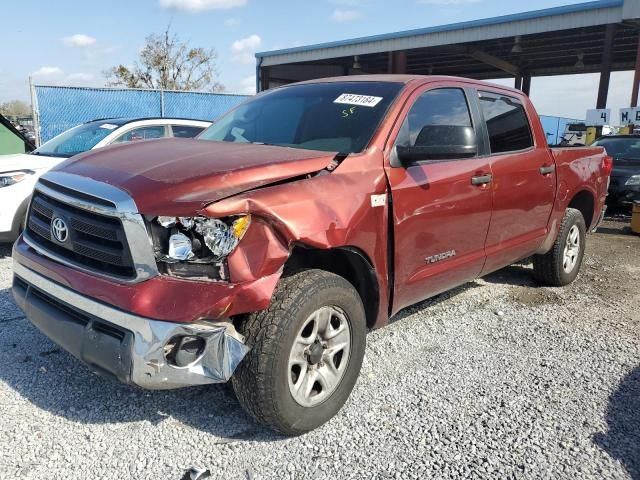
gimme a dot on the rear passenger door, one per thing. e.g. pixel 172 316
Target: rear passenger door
pixel 524 181
pixel 441 206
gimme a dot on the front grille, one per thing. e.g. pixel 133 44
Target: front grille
pixel 95 241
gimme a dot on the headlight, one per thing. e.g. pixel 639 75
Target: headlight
pixel 634 180
pixel 200 239
pixel 180 247
pixel 11 178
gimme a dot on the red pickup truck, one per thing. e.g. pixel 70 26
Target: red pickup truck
pixel 262 251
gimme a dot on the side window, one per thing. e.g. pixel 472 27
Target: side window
pixel 185 131
pixel 436 115
pixel 507 123
pixel 142 133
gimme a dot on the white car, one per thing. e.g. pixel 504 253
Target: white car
pixel 19 173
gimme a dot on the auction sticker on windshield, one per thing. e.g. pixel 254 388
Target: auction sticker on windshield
pixel 109 126
pixel 354 99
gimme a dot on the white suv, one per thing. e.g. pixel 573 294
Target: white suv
pixel 18 173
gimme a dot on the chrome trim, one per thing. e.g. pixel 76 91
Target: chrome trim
pixel 223 352
pixel 140 245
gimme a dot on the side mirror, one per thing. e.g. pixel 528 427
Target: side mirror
pixel 440 142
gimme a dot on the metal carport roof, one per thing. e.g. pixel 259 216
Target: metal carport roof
pixel 597 36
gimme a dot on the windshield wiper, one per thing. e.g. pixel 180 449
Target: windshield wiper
pixel 270 144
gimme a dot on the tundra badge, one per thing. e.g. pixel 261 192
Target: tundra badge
pixel 440 256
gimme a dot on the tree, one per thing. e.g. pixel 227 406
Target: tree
pixel 16 108
pixel 168 63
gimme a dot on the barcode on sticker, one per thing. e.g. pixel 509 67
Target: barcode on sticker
pixel 362 100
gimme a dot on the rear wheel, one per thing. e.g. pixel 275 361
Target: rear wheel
pixel 306 352
pixel 560 266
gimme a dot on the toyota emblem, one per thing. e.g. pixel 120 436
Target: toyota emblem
pixel 59 230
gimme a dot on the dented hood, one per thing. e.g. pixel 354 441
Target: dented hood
pixel 180 176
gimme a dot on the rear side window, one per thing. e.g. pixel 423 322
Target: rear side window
pixel 507 123
pixel 433 110
pixel 185 131
pixel 142 133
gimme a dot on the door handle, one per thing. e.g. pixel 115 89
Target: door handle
pixel 547 169
pixel 481 179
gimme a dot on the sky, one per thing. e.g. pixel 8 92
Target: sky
pixel 65 42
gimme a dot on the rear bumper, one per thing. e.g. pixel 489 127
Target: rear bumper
pixel 122 345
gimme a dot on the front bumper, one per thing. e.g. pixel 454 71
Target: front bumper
pixel 128 347
pixel 620 194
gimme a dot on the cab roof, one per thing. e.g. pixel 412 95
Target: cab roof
pixel 405 79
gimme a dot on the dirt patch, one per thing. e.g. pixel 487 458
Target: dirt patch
pixel 535 297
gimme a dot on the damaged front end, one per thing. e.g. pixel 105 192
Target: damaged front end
pixel 152 354
pixel 167 355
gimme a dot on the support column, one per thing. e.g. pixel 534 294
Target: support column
pixel 264 78
pixel 398 62
pixel 517 84
pixel 526 84
pixel 636 78
pixel 605 72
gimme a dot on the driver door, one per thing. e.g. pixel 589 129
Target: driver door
pixel 441 204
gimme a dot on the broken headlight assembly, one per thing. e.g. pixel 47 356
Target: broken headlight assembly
pixel 196 247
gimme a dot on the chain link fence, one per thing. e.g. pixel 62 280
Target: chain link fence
pixel 57 109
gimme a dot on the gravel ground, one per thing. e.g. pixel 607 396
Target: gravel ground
pixel 496 379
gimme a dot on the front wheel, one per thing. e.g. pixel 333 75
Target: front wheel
pixel 306 352
pixel 560 265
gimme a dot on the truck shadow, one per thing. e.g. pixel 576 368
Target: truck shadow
pixel 622 440
pixel 433 301
pixel 516 275
pixel 5 250
pixel 54 381
pixel 623 230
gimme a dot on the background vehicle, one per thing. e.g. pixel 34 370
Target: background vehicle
pixel 19 173
pixel 625 176
pixel 262 251
pixel 575 134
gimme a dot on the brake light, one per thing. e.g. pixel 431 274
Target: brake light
pixel 607 165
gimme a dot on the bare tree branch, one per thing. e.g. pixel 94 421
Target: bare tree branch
pixel 15 107
pixel 168 63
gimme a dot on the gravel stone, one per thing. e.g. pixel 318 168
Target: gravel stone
pixel 498 378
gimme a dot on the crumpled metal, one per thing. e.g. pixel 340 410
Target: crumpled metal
pixel 196 473
pixel 223 352
pixel 218 236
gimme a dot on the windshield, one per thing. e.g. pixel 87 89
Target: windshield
pixel 621 149
pixel 333 117
pixel 77 140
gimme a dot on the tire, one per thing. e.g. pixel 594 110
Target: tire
pixel 554 268
pixel 266 379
